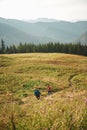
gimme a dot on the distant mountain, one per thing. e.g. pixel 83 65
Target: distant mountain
pixel 41 31
pixel 83 38
pixel 22 34
pixel 41 20
pixel 12 35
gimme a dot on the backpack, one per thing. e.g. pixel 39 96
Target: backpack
pixel 49 88
pixel 36 93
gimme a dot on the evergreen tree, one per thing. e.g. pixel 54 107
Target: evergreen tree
pixel 2 46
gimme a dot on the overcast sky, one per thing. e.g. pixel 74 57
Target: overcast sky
pixel 31 9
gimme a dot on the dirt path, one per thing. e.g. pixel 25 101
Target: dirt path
pixel 70 79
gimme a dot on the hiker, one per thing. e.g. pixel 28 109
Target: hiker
pixel 37 93
pixel 49 89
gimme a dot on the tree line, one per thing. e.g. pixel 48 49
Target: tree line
pixel 57 47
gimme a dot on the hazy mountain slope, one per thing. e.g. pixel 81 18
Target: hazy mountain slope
pixel 50 31
pixel 41 20
pixel 22 34
pixel 12 35
pixel 83 38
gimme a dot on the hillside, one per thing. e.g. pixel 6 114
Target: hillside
pixel 83 38
pixel 12 35
pixel 41 32
pixel 64 109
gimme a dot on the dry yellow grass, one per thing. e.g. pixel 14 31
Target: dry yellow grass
pixel 64 109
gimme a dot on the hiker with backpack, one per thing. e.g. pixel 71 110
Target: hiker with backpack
pixel 49 89
pixel 37 93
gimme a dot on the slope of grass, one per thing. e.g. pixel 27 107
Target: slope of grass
pixel 64 109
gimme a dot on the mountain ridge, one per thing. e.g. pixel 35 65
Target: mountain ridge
pixel 42 32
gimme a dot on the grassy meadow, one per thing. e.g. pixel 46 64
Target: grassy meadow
pixel 64 109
